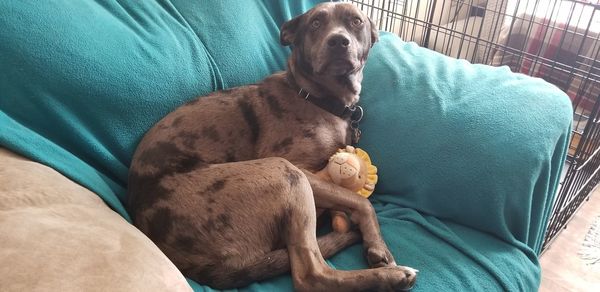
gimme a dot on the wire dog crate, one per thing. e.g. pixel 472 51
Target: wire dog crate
pixel 557 40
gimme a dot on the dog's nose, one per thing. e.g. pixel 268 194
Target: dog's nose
pixel 338 41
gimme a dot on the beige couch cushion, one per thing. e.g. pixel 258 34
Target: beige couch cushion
pixel 58 236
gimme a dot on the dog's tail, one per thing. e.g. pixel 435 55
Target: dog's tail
pixel 334 242
pixel 277 262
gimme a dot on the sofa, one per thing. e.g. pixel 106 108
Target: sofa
pixel 469 156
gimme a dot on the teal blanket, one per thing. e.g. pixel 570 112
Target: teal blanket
pixel 469 156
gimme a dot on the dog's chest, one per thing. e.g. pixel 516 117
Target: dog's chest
pixel 305 136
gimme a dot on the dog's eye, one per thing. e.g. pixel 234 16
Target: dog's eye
pixel 315 24
pixel 357 21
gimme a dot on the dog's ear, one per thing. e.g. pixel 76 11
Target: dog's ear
pixel 374 32
pixel 287 36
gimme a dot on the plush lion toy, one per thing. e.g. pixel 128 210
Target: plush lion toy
pixel 350 168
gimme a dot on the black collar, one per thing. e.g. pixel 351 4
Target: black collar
pixel 354 112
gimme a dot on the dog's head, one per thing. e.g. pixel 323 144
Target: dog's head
pixel 331 39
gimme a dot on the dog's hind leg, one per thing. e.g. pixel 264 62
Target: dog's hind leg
pixel 275 263
pixel 232 216
pixel 309 270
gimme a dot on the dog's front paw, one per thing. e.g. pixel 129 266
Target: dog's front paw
pixel 379 256
pixel 410 276
pixel 396 278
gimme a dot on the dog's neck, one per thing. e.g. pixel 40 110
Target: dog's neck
pixel 344 88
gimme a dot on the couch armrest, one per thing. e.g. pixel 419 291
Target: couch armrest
pixel 473 144
pixel 58 236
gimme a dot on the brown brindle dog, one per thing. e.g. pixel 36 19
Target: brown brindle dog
pixel 224 184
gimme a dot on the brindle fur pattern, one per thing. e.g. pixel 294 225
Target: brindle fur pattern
pixel 224 186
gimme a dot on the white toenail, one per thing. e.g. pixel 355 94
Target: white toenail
pixel 412 270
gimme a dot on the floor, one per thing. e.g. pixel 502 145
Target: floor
pixel 562 269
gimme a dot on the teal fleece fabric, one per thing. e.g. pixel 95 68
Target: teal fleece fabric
pixel 82 81
pixel 472 155
pixel 469 156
